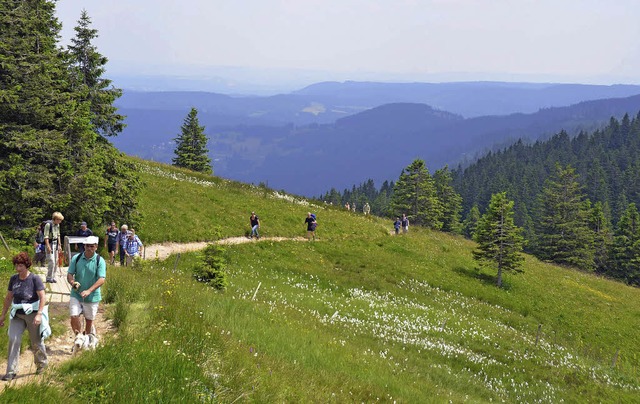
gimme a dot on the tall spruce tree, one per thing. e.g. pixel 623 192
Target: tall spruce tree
pixel 625 253
pixel 563 235
pixel 450 201
pixel 191 146
pixel 471 221
pixel 50 157
pixel 499 239
pixel 602 236
pixel 87 70
pixel 414 194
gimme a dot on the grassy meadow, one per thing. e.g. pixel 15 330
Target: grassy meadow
pixel 358 316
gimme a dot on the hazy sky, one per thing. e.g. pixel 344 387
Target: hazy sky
pixel 588 41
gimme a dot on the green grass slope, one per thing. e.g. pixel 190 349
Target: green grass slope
pixel 359 316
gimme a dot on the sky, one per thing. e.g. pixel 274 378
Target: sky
pixel 292 41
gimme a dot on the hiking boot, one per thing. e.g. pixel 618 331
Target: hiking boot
pixel 8 377
pixel 48 280
pixel 54 281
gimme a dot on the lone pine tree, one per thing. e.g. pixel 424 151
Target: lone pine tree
pixel 499 239
pixel 191 146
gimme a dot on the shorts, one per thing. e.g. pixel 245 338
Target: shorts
pixel 90 310
pixel 111 247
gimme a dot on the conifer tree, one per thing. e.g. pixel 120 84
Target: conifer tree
pixel 471 222
pixel 87 70
pixel 499 239
pixel 626 247
pixel 450 201
pixel 602 236
pixel 562 232
pixel 414 194
pixel 191 146
pixel 50 157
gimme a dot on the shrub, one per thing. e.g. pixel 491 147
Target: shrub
pixel 212 268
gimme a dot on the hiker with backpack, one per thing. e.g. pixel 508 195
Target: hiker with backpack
pixel 405 223
pixel 311 223
pixel 255 225
pixel 84 231
pixel 53 246
pixel 132 247
pixel 39 247
pixel 122 239
pixel 87 273
pixel 111 241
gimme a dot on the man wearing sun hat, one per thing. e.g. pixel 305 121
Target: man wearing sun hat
pixel 87 273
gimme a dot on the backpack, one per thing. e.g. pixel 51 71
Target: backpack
pixel 313 216
pixel 40 235
pixel 77 258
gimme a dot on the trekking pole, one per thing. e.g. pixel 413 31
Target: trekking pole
pixel 5 243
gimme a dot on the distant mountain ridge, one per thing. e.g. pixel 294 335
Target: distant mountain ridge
pixel 376 143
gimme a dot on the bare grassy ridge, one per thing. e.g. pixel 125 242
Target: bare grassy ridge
pixel 359 316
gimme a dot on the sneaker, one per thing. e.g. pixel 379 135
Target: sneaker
pixel 48 280
pixel 8 377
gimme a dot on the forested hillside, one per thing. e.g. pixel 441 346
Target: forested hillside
pixel 576 198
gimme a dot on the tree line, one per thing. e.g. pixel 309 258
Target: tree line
pixel 573 201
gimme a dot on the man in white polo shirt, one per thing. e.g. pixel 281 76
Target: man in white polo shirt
pixel 87 272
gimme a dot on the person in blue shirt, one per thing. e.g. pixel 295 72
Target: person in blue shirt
pixel 132 247
pixel 87 273
pixel 397 224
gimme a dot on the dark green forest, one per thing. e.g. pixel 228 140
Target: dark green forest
pixel 576 199
pixel 56 113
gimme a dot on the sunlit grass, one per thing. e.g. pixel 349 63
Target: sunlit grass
pixel 360 316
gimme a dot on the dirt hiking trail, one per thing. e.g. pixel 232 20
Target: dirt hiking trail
pixel 59 346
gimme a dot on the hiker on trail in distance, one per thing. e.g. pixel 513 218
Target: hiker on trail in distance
pixel 366 209
pixel 311 223
pixel 26 298
pixel 405 223
pixel 87 273
pixel 255 225
pixel 132 247
pixel 122 239
pixel 111 241
pixel 397 224
pixel 84 231
pixel 52 244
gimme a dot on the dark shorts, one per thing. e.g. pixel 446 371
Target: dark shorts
pixel 111 247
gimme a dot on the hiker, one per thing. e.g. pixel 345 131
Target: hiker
pixel 84 231
pixel 39 247
pixel 111 242
pixel 366 209
pixel 26 297
pixel 132 247
pixel 53 246
pixel 405 223
pixel 311 226
pixel 396 225
pixel 255 225
pixel 87 273
pixel 122 239
pixel 347 207
pixel 353 207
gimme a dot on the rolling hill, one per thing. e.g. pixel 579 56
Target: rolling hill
pixel 359 315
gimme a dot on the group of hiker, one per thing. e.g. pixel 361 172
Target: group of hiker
pixel 309 221
pixel 25 301
pixel 48 244
pixel 366 209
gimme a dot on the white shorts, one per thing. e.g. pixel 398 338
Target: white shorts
pixel 88 309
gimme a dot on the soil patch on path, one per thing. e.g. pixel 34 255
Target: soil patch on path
pixel 164 250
